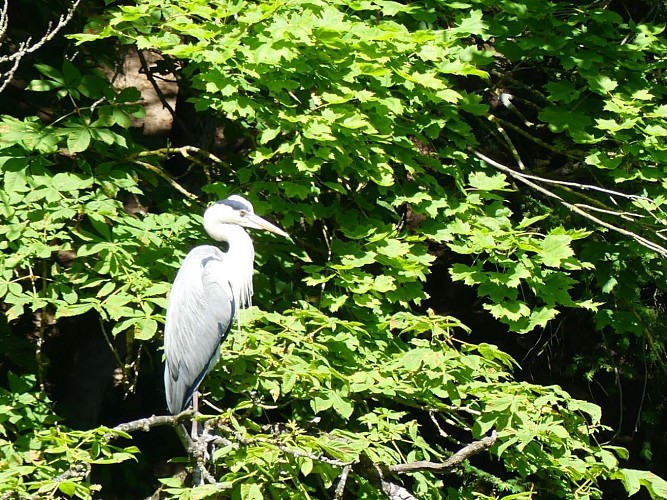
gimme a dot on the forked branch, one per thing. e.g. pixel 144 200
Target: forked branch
pixel 9 63
pixel 533 182
pixel 454 461
pixel 189 152
pixel 380 475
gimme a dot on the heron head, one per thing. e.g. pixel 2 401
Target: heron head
pixel 236 210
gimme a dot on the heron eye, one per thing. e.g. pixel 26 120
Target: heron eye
pixel 243 213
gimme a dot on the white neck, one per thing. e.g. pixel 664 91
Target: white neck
pixel 239 259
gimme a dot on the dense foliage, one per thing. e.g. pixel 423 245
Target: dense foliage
pixel 363 129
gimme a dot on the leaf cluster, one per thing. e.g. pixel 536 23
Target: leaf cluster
pixel 40 457
pixel 358 120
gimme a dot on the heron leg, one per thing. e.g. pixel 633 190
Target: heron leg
pixel 200 447
pixel 195 406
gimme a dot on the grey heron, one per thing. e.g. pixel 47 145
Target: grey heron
pixel 208 290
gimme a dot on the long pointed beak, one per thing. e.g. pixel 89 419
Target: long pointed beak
pixel 256 222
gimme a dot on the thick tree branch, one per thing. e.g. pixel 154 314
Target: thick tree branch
pixel 379 475
pixel 146 424
pixel 395 491
pixel 455 460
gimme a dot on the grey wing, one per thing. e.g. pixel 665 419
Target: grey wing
pixel 200 313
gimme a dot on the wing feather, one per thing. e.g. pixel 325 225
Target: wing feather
pixel 200 314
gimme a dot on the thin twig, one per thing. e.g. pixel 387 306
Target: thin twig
pixel 4 21
pixel 585 187
pixel 187 152
pixel 640 410
pixel 167 178
pixel 509 142
pixel 27 47
pixel 110 344
pixel 237 436
pixel 571 154
pixel 623 215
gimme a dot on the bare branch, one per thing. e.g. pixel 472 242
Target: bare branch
pixel 395 491
pixel 623 215
pixel 188 152
pixel 574 208
pixel 238 437
pixel 377 475
pixel 146 424
pixel 77 470
pixel 4 20
pixel 165 103
pixel 571 154
pixel 168 178
pixel 455 460
pixel 27 46
pixel 8 75
pixel 509 142
pixel 441 431
pixel 342 481
pixel 588 187
pixel 227 436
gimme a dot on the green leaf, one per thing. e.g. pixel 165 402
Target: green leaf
pixel 251 492
pixel 51 73
pixel 342 406
pixel 554 248
pixel 319 404
pixel 392 247
pixel 268 135
pixel 68 310
pixel 306 466
pixel 78 139
pixel 71 74
pixel 562 91
pixel 633 480
pixel 601 84
pixel 145 329
pixel 42 85
pixel 656 130
pixel 539 317
pixel 472 24
pixel 67 487
pixel 383 284
pixel 481 181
